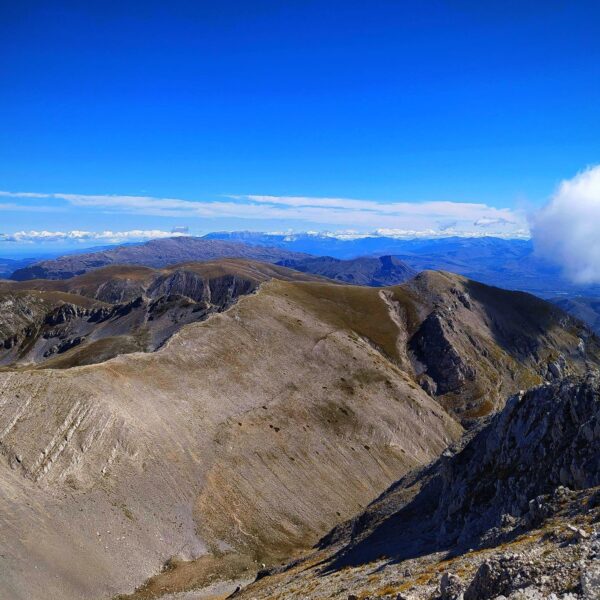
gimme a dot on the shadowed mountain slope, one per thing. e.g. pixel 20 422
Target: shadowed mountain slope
pixel 376 272
pixel 155 253
pixel 475 344
pixel 118 310
pixel 585 309
pixel 542 439
pixel 495 515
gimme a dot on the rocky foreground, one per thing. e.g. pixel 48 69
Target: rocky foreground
pixel 513 513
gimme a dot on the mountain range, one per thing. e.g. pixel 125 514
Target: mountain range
pixel 9 265
pixel 327 427
pixel 510 264
pixel 155 253
pixel 258 408
pixel 507 263
pixel 372 271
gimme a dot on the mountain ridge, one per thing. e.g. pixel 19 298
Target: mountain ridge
pixel 378 271
pixel 118 309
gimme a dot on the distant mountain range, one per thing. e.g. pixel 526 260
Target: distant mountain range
pixel 10 265
pixel 507 263
pixel 373 271
pixel 372 260
pixel 155 254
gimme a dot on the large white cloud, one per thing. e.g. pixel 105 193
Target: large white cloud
pixel 567 230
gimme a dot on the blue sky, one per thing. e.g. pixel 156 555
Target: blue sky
pixel 279 115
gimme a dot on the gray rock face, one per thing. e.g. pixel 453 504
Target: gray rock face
pixel 445 365
pixel 451 587
pixel 514 472
pixel 590 581
pixel 548 437
pixel 501 577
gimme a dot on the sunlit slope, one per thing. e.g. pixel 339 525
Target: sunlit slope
pixel 256 430
pixel 253 432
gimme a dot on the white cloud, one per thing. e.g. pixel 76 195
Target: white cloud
pixel 489 221
pixel 567 230
pixel 451 218
pixel 14 207
pixel 86 236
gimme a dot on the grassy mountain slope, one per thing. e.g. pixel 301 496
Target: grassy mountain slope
pixel 251 433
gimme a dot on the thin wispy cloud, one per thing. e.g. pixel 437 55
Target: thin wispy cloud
pixel 455 218
pixel 14 207
pixel 87 236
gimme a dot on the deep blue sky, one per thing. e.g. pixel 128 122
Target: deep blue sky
pixel 464 101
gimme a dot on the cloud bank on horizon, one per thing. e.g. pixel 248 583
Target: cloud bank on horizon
pixel 299 213
pixel 109 237
pixel 567 230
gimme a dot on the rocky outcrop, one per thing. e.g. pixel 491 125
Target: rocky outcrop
pixel 476 344
pixel 510 513
pixel 116 311
pixel 433 346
